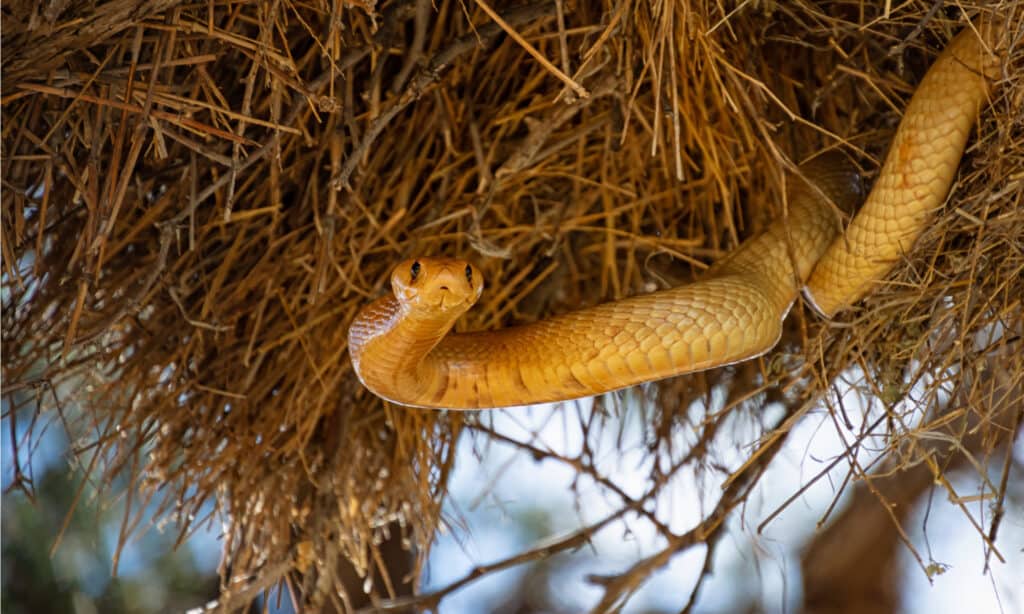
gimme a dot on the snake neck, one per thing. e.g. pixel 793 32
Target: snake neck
pixel 377 338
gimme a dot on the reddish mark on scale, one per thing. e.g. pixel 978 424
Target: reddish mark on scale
pixel 905 154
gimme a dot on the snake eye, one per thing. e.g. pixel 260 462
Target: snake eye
pixel 414 272
pixel 469 274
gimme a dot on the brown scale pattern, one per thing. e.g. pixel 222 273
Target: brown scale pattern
pixel 917 173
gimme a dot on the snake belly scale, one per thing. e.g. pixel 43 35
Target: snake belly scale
pixel 403 350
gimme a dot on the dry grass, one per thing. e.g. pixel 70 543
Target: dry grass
pixel 179 266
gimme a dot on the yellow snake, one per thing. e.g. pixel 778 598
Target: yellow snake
pixel 402 348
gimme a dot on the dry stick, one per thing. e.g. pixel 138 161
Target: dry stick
pixel 619 587
pixel 130 303
pixel 564 78
pixel 314 90
pixel 849 453
pixel 540 131
pixel 897 49
pixel 563 46
pixel 580 467
pixel 415 51
pixel 705 571
pixel 527 152
pixel 430 74
pixel 702 532
pixel 572 541
pixel 173 118
pixel 112 180
pixel 610 29
pixel 75 499
pixel 75 77
pixel 999 509
pixel 20 480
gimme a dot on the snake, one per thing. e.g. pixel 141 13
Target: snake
pixel 403 348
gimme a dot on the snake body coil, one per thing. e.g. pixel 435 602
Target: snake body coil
pixel 917 173
pixel 402 348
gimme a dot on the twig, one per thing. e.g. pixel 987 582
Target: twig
pixel 574 540
pixel 619 588
pixel 564 78
pixel 431 73
pixel 174 118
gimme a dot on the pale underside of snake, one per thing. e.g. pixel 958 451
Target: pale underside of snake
pixel 403 350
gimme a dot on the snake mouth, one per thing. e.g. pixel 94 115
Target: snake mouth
pixel 447 300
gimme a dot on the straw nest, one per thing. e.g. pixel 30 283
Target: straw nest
pixel 198 197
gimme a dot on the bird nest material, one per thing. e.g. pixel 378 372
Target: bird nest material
pixel 198 197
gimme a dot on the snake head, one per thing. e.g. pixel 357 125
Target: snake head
pixel 437 286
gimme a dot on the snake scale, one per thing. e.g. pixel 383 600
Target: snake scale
pixel 403 350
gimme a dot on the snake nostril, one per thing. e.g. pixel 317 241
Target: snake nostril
pixel 444 287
